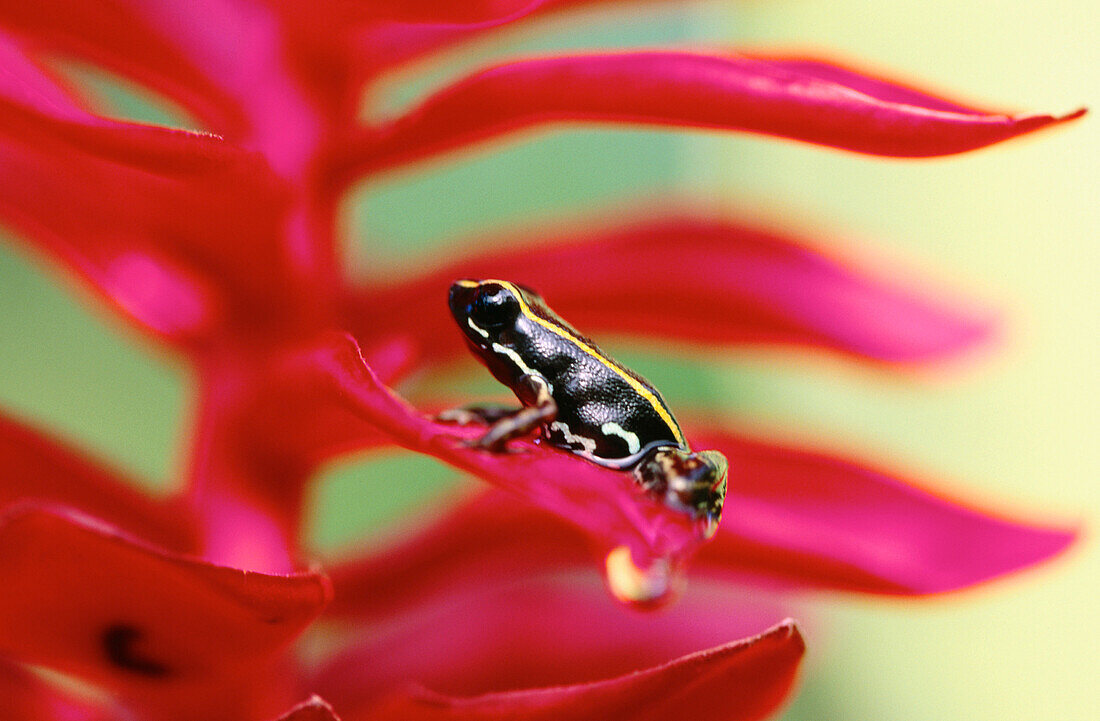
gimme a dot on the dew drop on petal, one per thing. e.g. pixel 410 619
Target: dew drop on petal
pixel 652 586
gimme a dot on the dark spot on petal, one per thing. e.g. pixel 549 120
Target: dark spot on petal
pixel 118 643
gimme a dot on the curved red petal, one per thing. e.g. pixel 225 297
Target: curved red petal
pixel 83 598
pixel 33 466
pixel 120 36
pixel 530 631
pixel 810 519
pixel 793 518
pixel 227 62
pixel 737 682
pixel 666 88
pixel 171 226
pixel 692 279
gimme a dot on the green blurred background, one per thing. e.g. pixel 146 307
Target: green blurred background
pixel 1012 228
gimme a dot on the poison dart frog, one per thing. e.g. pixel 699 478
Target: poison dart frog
pixel 579 398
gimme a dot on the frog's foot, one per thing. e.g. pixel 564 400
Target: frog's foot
pixel 693 483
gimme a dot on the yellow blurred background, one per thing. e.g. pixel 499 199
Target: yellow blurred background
pixel 1016 226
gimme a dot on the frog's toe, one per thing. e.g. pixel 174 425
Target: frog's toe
pixel 457 416
pixel 474 415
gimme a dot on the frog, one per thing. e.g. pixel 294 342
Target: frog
pixel 576 398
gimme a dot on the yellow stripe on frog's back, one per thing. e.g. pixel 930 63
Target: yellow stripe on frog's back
pixel 633 382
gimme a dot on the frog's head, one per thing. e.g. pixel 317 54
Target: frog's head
pixel 486 311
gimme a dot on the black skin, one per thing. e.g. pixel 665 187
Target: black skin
pixel 580 399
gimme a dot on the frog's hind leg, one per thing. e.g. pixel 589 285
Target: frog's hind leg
pixel 505 425
pixel 524 421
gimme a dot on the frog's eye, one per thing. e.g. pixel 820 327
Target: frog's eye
pixel 493 306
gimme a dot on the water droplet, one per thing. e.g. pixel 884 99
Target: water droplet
pixel 708 527
pixel 653 585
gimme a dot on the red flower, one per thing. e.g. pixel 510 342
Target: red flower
pixel 224 247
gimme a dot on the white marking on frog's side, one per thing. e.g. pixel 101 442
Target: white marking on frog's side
pixel 587 444
pixel 633 444
pixel 484 334
pixel 504 350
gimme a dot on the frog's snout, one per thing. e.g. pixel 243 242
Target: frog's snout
pixel 459 298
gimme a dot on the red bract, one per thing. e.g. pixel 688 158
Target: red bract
pixel 224 247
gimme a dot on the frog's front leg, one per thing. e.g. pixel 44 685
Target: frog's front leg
pixel 542 409
pixel 508 423
pixel 694 483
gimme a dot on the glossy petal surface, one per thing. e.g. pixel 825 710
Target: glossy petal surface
pixel 531 630
pixel 736 682
pixel 732 93
pixel 812 519
pixel 794 518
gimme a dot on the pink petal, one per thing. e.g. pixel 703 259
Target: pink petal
pixel 809 519
pixel 81 597
pixel 695 280
pixel 180 230
pixel 608 503
pixel 733 93
pixel 528 632
pixel 739 681
pixel 34 466
pixel 315 709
